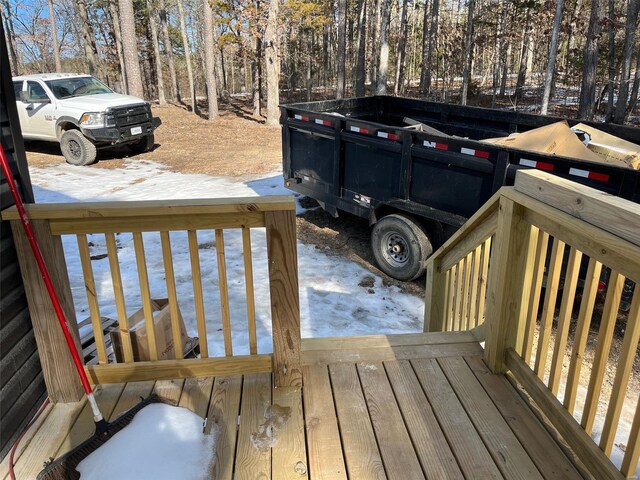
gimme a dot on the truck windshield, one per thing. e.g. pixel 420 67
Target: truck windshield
pixel 76 87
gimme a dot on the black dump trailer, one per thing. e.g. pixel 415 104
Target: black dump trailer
pixel 417 188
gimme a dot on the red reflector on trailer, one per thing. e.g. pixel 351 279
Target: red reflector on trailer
pixel 577 172
pixel 535 164
pixel 390 136
pixel 320 121
pixel 442 146
pixel 304 118
pixel 359 130
pixel 475 153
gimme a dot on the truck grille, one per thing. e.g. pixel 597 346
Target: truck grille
pixel 131 115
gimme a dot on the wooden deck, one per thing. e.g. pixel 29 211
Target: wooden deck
pixel 400 411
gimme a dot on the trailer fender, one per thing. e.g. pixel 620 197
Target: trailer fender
pixel 434 229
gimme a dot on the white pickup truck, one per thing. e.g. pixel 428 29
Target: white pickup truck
pixel 82 114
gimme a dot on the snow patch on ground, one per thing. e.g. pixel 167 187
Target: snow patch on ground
pixel 173 447
pixel 332 302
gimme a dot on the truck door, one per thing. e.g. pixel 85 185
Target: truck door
pixel 21 106
pixel 40 121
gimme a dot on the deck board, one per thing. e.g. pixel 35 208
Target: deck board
pixel 418 415
pixel 326 461
pixel 431 445
pixel 400 459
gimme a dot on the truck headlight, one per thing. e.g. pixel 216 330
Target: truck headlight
pixel 92 119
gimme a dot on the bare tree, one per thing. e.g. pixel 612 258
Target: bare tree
pixel 553 54
pixel 10 36
pixel 590 63
pixel 425 79
pixel 398 87
pixel 166 40
pixel 113 9
pixel 153 28
pixel 130 48
pixel 90 48
pixel 383 54
pixel 272 60
pixel 611 58
pixel 362 44
pixel 209 60
pixel 525 52
pixel 468 53
pixel 342 46
pixel 627 54
pixel 187 56
pixel 54 37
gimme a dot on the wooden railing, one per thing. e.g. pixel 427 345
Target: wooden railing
pixel 106 220
pixel 551 237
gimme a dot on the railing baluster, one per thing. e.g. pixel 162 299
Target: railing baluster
pixel 92 298
pixel 582 332
pixel 632 453
pixel 174 312
pixel 197 292
pixel 464 320
pixel 484 276
pixel 143 278
pixel 562 332
pixel 248 280
pixel 457 311
pixel 473 311
pixel 536 290
pixel 451 278
pixel 603 346
pixel 549 307
pixel 118 293
pixel 625 364
pixel 224 293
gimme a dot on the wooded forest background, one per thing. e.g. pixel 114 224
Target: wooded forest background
pixel 570 57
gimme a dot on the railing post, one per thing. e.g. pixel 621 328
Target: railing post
pixel 435 298
pixel 285 303
pixel 508 292
pixel 59 371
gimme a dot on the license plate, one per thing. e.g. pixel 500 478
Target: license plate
pixel 136 130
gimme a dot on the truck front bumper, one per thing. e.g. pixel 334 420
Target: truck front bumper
pixel 121 135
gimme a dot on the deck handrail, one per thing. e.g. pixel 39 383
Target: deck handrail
pixel 533 227
pixel 275 213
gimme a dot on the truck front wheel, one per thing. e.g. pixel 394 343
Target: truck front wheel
pixel 77 149
pixel 400 247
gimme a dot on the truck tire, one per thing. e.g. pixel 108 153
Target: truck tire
pixel 400 247
pixel 77 149
pixel 143 145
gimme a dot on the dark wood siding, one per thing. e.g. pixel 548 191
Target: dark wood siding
pixel 22 387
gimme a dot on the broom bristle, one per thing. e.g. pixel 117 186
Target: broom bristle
pixel 64 468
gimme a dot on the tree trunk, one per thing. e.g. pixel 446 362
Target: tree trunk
pixel 209 60
pixel 636 87
pixel 10 37
pixel 362 44
pixel 342 46
pixel 629 42
pixel 115 17
pixel 611 66
pixel 187 56
pixel 153 28
pixel 166 40
pixel 553 54
pixel 130 49
pixel 590 63
pixel 502 50
pixel 54 37
pixel 272 60
pixel 256 74
pixel 398 87
pixel 383 54
pixel 425 70
pixel 433 32
pixel 468 54
pixel 90 49
pixel 524 53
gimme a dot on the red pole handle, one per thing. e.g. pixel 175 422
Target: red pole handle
pixel 44 272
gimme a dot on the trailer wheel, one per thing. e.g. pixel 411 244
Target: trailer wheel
pixel 400 247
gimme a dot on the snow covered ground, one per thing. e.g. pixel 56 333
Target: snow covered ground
pixel 331 300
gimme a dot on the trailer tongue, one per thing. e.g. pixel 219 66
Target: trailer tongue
pixel 417 170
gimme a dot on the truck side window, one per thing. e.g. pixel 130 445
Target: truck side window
pixel 35 91
pixel 17 88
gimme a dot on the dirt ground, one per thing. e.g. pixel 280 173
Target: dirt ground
pixel 236 144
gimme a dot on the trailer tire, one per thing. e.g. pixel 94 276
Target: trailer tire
pixel 400 246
